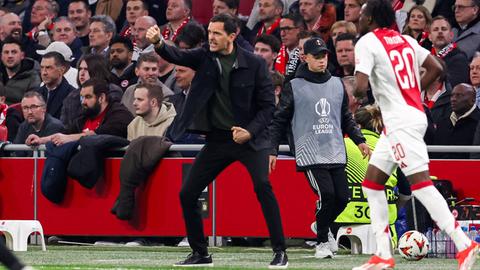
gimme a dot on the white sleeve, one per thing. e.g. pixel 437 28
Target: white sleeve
pixel 420 52
pixel 364 57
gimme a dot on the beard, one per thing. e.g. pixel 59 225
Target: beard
pixel 118 64
pixel 92 112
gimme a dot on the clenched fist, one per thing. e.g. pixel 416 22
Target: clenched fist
pixel 153 34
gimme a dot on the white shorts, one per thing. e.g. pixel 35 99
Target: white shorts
pixel 404 148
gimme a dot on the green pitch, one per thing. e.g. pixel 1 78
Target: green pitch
pixel 74 257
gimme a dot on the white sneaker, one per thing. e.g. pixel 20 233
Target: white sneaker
pixel 332 243
pixel 28 268
pixel 183 243
pixel 331 240
pixel 323 251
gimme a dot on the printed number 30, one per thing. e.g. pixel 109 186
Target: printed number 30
pixel 403 67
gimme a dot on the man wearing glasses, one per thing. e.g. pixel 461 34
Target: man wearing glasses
pixel 38 123
pixel 467 36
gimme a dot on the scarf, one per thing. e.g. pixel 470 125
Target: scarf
pixel 166 32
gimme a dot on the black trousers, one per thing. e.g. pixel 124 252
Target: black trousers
pixel 332 189
pixel 210 161
pixel 8 259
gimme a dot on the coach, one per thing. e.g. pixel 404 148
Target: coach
pixel 231 100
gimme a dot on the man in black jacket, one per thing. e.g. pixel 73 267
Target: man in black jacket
pixel 231 100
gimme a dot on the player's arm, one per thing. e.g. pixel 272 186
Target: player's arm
pixel 361 88
pixel 433 71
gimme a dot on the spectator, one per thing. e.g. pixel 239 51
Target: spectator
pixel 147 71
pixel 437 96
pixel 153 119
pixel 55 87
pixel 154 115
pixel 467 36
pixel 267 47
pixel 102 30
pixel 417 25
pixel 138 33
pixel 70 73
pixel 352 11
pixel 278 81
pixel 178 15
pixel 225 6
pixel 42 14
pixel 10 118
pixel 345 51
pixel 17 72
pixel 325 172
pixel 79 14
pixel 441 35
pixel 191 36
pixel 290 27
pixel 135 9
pixel 64 30
pixel 91 66
pixel 475 77
pixel 318 16
pixel 270 12
pixel 459 127
pixel 353 103
pixel 236 130
pixel 183 82
pixel 11 25
pixel 121 50
pixel 342 27
pixel 38 123
pixel 99 116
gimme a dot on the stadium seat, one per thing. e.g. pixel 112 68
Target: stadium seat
pixel 361 238
pixel 17 232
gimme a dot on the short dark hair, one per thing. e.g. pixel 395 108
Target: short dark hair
pixel 271 41
pixel 308 34
pixel 188 3
pixel 231 4
pixel 150 57
pixel 154 91
pixel 12 40
pixel 144 3
pixel 230 23
pixel 193 35
pixel 85 3
pixel 441 18
pixel 381 12
pixel 31 94
pixel 296 18
pixel 346 36
pixel 124 40
pixel 57 57
pixel 99 87
pixel 277 78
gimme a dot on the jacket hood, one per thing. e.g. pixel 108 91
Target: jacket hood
pixel 314 77
pixel 166 112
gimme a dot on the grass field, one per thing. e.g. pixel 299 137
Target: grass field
pixel 75 257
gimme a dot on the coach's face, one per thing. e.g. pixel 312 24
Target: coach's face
pixel 218 39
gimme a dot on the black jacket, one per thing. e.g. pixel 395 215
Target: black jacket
pixel 55 101
pixel 460 134
pixel 282 119
pixel 441 108
pixel 458 69
pixel 251 92
pixel 115 122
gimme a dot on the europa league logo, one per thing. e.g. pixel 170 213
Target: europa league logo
pixel 324 107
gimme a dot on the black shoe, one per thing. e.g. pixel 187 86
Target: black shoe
pixel 280 260
pixel 194 259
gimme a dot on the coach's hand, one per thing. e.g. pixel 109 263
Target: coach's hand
pixel 365 150
pixel 153 35
pixel 240 135
pixel 272 163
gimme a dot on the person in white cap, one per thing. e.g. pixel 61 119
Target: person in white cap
pixel 62 48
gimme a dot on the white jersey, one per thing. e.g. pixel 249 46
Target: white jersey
pixel 393 62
